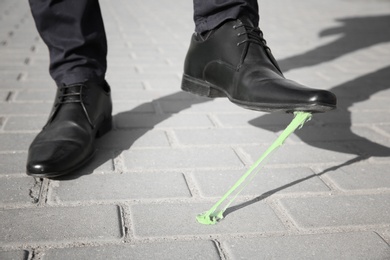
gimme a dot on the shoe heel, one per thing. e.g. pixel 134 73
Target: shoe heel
pixel 199 87
pixel 105 127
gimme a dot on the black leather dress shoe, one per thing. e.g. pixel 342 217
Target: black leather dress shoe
pixel 81 112
pixel 234 61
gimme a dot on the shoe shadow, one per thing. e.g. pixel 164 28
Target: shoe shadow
pixel 320 134
pixel 328 130
pixel 133 124
pixel 333 131
pixel 354 34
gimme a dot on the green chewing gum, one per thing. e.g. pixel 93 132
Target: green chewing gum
pixel 215 214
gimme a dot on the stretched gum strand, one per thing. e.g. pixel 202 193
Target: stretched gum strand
pixel 215 214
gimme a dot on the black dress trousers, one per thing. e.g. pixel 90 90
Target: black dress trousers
pixel 208 14
pixel 73 31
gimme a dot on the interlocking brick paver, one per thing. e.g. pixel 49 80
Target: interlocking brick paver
pixel 17 255
pixel 221 136
pixel 165 120
pixel 102 187
pixel 366 245
pixel 363 176
pixel 320 152
pixel 205 105
pixel 46 94
pixel 19 190
pixel 267 182
pixel 124 139
pixel 15 141
pixel 12 163
pixel 175 250
pixel 25 108
pixel 179 158
pixel 335 211
pixel 25 123
pixel 60 224
pixel 179 220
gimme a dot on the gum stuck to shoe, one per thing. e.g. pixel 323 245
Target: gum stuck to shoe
pixel 215 214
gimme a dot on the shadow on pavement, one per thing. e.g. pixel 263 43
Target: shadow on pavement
pixel 119 141
pixel 349 93
pixel 355 34
pixel 316 134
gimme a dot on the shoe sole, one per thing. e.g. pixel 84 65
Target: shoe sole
pixel 104 128
pixel 206 89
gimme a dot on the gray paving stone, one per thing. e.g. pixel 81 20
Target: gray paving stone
pixel 25 123
pixel 12 163
pixel 267 181
pixel 14 255
pixel 161 121
pixel 10 75
pixel 180 219
pixel 170 83
pixel 45 94
pixel 25 108
pixel 336 133
pixel 299 154
pixel 335 211
pixel 342 118
pixel 177 250
pixel 224 136
pixel 124 139
pixel 16 141
pixel 254 118
pixel 60 224
pixel 18 190
pixel 386 235
pixel 125 186
pixel 385 128
pixel 205 105
pixel 133 107
pixel 367 245
pixel 376 151
pixel 361 176
pixel 3 95
pixel 102 162
pixel 179 158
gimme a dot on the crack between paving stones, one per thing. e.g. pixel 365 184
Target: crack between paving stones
pixel 220 249
pixel 383 239
pixel 35 190
pixel 191 185
pixel 127 230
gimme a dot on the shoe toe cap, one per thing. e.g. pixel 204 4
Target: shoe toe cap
pixel 55 158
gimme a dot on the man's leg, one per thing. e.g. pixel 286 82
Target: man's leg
pixel 228 57
pixel 74 34
pixel 211 13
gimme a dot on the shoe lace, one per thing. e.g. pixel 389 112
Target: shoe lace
pixel 254 35
pixel 73 94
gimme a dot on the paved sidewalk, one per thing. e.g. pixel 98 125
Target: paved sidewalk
pixel 324 195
